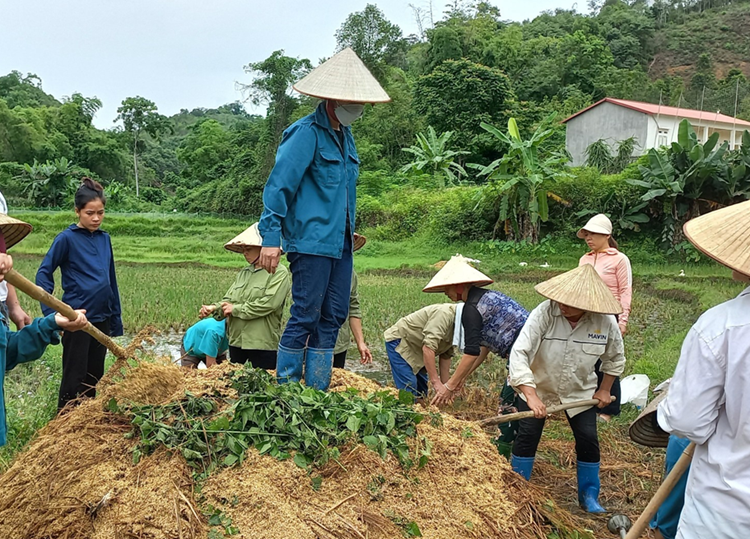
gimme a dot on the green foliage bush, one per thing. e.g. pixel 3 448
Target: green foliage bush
pixel 589 190
pixel 234 195
pixel 445 215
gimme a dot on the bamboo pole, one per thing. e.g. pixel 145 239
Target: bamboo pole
pixel 36 292
pixel 499 419
pixel 661 494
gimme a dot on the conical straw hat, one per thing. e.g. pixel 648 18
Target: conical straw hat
pixel 249 238
pixel 581 288
pixel 343 77
pixel 13 230
pixel 359 242
pixel 724 235
pixel 456 271
pixel 646 430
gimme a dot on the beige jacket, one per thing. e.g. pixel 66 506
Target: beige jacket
pixel 431 326
pixel 559 361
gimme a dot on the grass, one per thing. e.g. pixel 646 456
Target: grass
pixel 163 285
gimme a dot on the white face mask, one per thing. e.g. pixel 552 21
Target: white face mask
pixel 347 114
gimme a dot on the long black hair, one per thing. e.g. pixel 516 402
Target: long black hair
pixel 89 190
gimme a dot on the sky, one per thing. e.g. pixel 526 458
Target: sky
pixel 183 54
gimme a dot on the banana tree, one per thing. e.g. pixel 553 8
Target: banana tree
pixel 432 156
pixel 47 184
pixel 735 185
pixel 678 178
pixel 518 182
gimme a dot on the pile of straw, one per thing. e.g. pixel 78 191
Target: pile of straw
pixel 77 480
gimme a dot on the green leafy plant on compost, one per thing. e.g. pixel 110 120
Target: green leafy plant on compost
pixel 283 421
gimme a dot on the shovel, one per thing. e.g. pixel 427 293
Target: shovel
pixel 32 290
pixel 497 420
pixel 661 494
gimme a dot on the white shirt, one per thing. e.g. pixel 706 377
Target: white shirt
pixel 3 285
pixel 715 364
pixel 559 360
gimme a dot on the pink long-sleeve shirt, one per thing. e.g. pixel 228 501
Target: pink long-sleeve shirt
pixel 614 269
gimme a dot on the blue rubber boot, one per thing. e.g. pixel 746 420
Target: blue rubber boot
pixel 588 487
pixel 522 465
pixel 318 367
pixel 289 364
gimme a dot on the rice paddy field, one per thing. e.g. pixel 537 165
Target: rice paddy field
pixel 168 266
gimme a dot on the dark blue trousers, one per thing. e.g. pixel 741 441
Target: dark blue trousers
pixel 320 291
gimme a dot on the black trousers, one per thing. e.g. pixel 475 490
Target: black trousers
pixel 339 360
pixel 260 359
pixel 83 364
pixel 584 431
pixel 614 407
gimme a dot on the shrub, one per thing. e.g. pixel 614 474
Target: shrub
pixel 445 214
pixel 587 190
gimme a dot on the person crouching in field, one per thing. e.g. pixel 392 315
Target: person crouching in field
pixel 83 252
pixel 205 341
pixel 553 361
pixel 355 321
pixel 253 305
pixel 709 396
pixel 489 321
pixel 415 342
pixel 30 342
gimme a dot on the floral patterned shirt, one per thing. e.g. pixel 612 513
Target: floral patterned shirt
pixel 491 319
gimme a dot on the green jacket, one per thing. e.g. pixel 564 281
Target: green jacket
pixel 431 326
pixel 345 333
pixel 258 298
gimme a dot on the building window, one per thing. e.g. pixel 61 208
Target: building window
pixel 663 138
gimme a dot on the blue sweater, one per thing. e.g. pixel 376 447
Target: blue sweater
pixel 311 193
pixel 20 347
pixel 87 267
pixel 206 338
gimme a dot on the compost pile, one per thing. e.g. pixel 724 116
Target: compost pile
pixel 168 453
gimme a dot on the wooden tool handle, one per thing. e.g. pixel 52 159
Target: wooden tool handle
pixel 499 419
pixel 39 294
pixel 666 487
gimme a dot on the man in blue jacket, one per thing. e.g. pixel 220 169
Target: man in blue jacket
pixel 309 212
pixel 29 343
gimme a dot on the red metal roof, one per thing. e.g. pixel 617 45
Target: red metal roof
pixel 653 110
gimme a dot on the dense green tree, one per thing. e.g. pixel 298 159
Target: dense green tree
pixel 272 86
pixel 376 40
pixel 23 136
pixel 139 117
pixel 24 91
pixel 387 127
pixel 445 44
pixel 459 95
pixel 629 31
pixel 206 152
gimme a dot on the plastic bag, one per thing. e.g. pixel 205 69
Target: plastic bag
pixel 635 389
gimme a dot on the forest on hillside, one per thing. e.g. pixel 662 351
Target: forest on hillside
pixel 463 72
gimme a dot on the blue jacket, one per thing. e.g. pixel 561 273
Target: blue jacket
pixel 87 267
pixel 20 347
pixel 310 189
pixel 206 338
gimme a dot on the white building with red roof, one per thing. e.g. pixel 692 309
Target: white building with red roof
pixel 652 126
